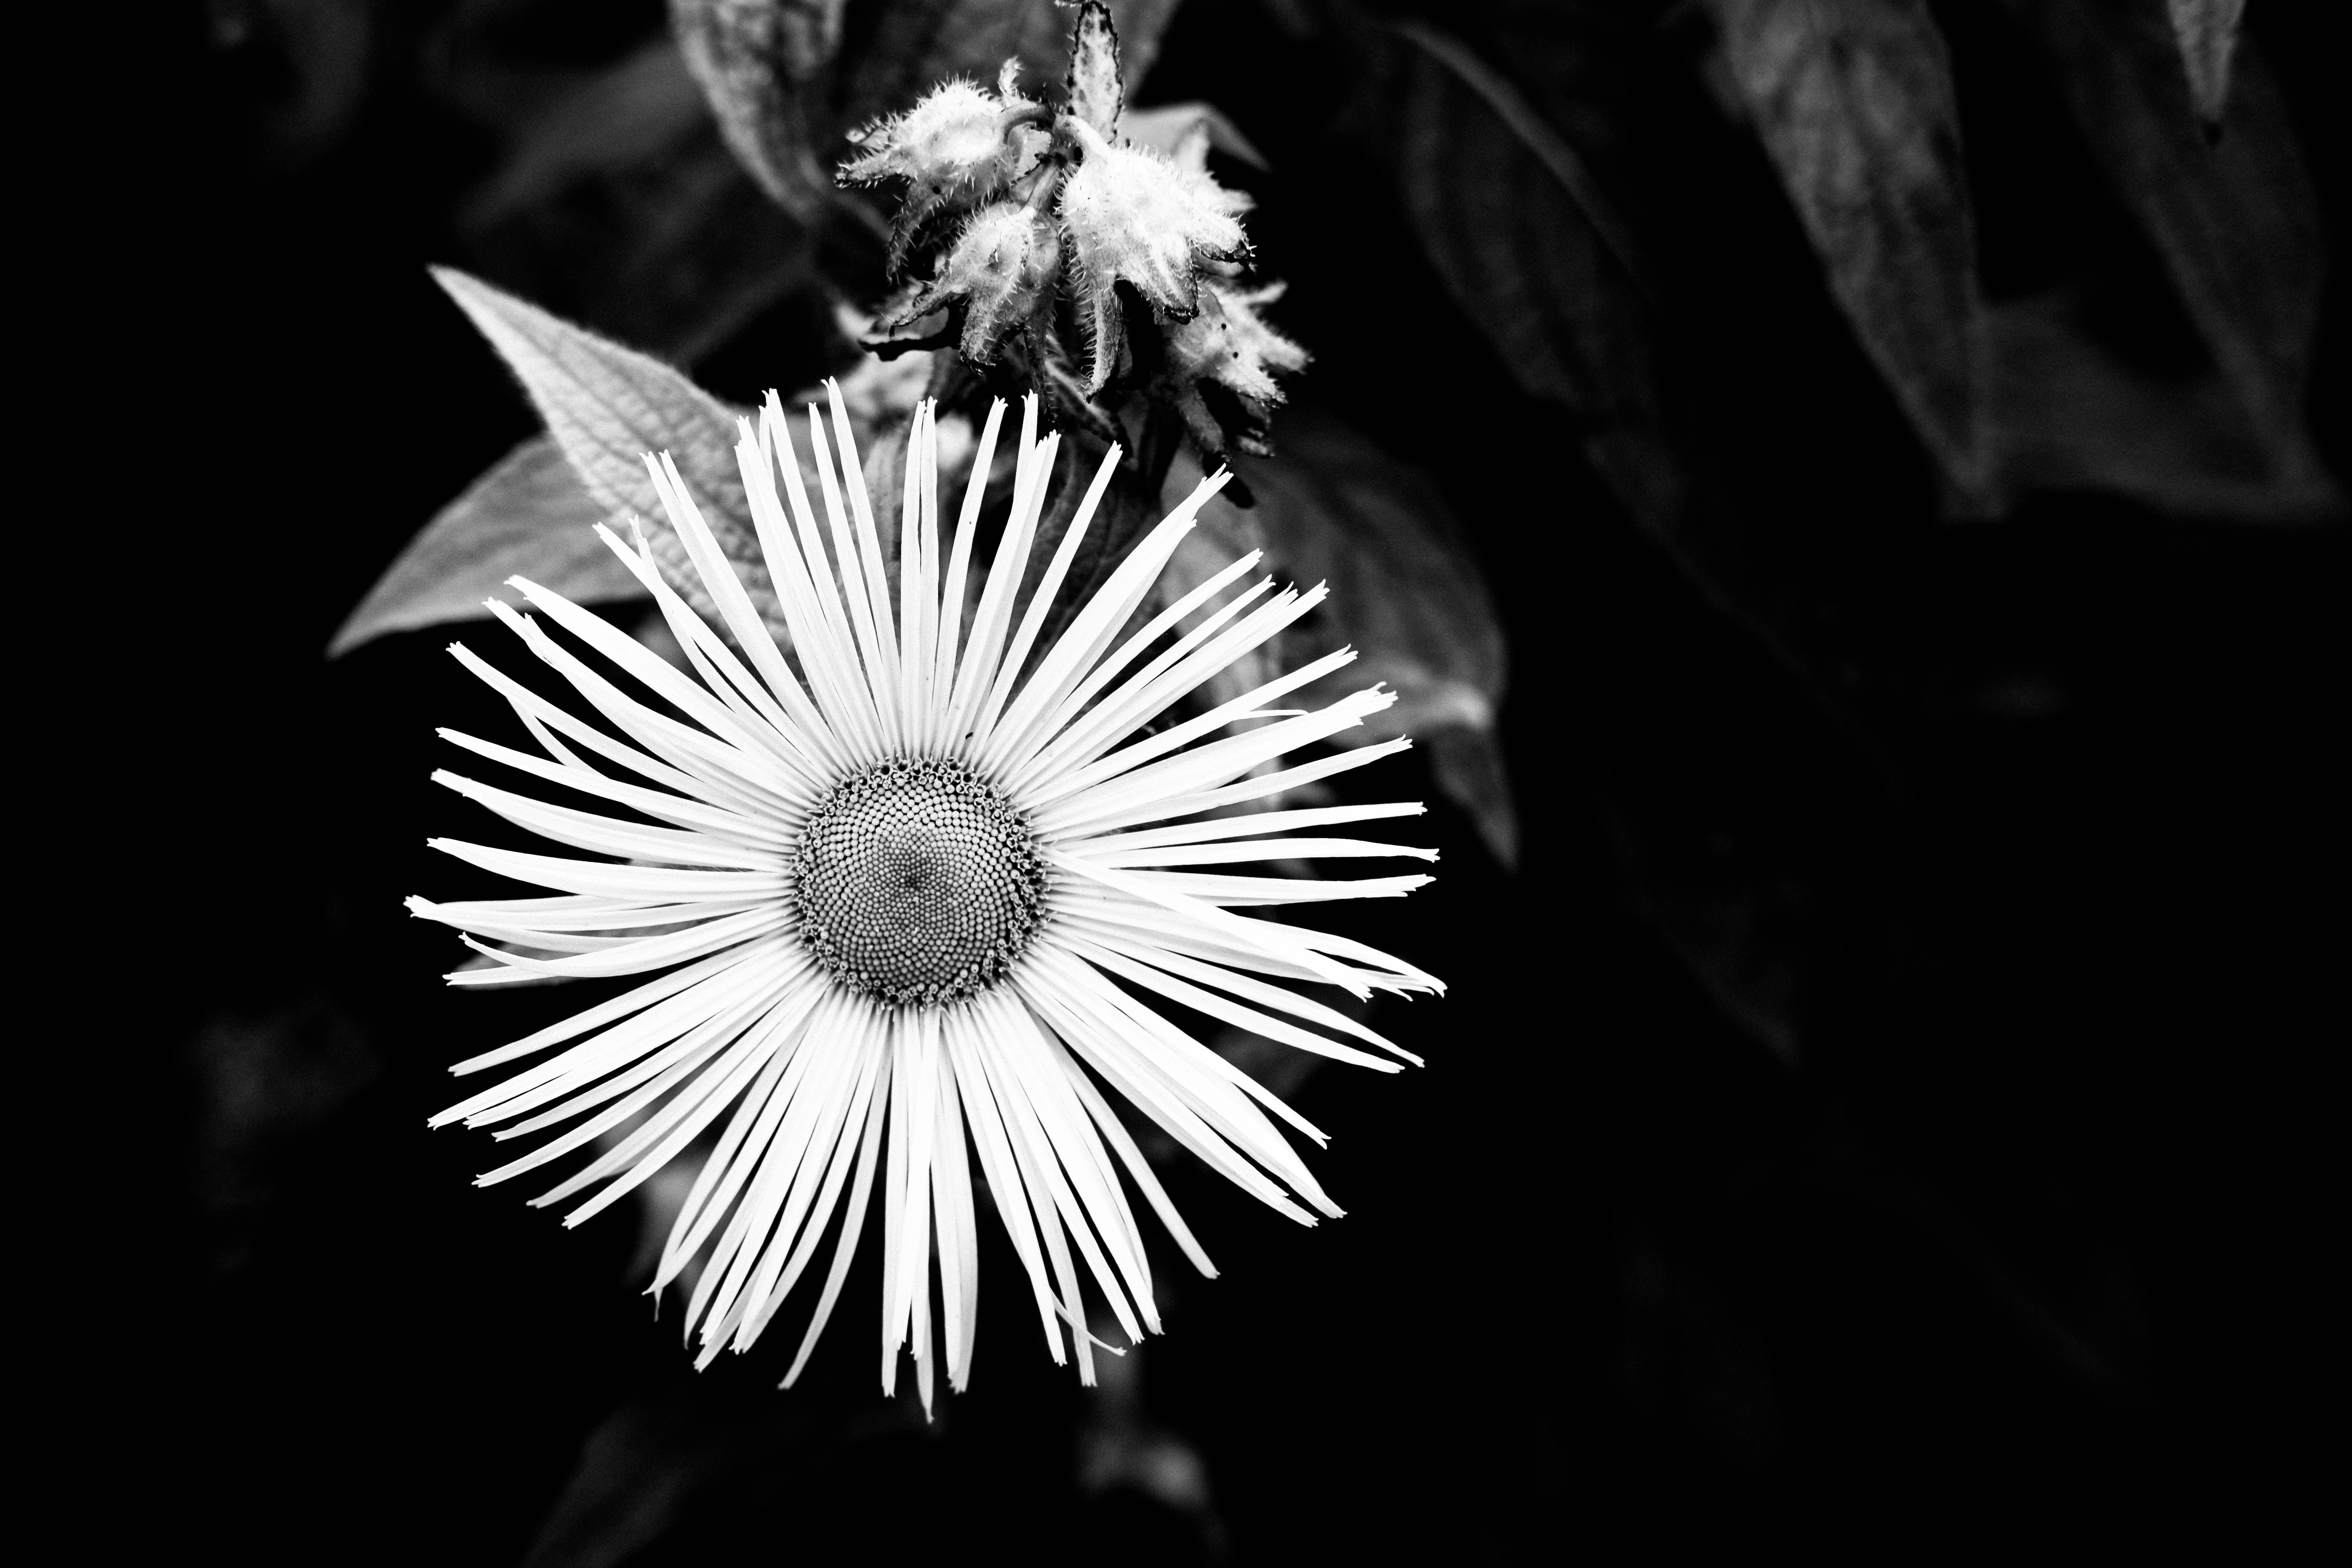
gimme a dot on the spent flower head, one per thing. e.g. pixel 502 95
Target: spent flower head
pixel 1086 254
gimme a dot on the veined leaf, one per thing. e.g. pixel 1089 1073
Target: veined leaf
pixel 607 407
pixel 1854 101
pixel 528 515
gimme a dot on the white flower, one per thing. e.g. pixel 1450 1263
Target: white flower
pixel 914 901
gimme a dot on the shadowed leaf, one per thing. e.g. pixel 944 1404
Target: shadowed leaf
pixel 2074 417
pixel 1854 101
pixel 2236 224
pixel 1334 508
pixel 756 60
pixel 616 202
pixel 2207 31
pixel 1163 128
pixel 919 43
pixel 528 515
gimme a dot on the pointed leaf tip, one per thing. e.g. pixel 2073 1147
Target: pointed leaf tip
pixel 2207 31
pixel 1096 93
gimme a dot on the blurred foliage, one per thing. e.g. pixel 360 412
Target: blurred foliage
pixel 1896 450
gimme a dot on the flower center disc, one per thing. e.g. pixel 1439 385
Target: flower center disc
pixel 917 883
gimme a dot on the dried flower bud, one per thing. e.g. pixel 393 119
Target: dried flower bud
pixel 1228 343
pixel 956 148
pixel 1135 216
pixel 1001 268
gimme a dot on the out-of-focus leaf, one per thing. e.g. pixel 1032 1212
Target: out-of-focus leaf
pixel 2236 223
pixel 917 44
pixel 617 200
pixel 685 1450
pixel 1334 508
pixel 529 514
pixel 756 60
pixel 1529 248
pixel 2207 31
pixel 1854 101
pixel 1163 127
pixel 2073 418
pixel 607 407
pixel 265 1085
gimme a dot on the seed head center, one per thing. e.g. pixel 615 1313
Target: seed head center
pixel 917 882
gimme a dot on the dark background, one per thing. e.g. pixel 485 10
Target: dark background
pixel 2005 1228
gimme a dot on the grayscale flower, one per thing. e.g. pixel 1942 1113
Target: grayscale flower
pixel 912 896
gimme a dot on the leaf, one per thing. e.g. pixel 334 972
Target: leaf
pixel 685 1454
pixel 917 44
pixel 2073 418
pixel 756 60
pixel 529 514
pixel 2207 31
pixel 608 406
pixel 1334 508
pixel 1854 101
pixel 2236 224
pixel 1531 251
pixel 616 203
pixel 1163 128
pixel 1092 82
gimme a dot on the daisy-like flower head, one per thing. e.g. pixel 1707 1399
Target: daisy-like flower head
pixel 1136 216
pixel 911 898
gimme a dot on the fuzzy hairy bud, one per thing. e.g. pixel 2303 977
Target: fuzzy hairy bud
pixel 1000 269
pixel 957 147
pixel 1135 216
pixel 1227 341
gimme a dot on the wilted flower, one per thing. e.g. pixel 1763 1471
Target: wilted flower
pixel 1228 343
pixel 1001 269
pixel 959 145
pixel 1135 216
pixel 915 902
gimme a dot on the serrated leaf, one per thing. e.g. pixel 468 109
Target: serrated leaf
pixel 756 60
pixel 2236 224
pixel 1091 84
pixel 2207 31
pixel 528 515
pixel 607 407
pixel 1854 101
pixel 1334 508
